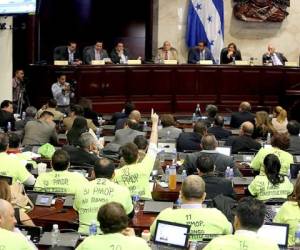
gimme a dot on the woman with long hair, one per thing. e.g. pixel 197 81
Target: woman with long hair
pixel 289 213
pixel 79 127
pixel 279 120
pixel 263 126
pixel 272 184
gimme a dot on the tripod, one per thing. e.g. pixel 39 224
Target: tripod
pixel 22 99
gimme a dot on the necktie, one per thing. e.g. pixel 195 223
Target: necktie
pixel 166 55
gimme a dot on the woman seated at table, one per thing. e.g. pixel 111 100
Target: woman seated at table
pixel 230 54
pixel 272 185
pixel 263 126
pixel 279 120
pixel 21 217
pixel 289 213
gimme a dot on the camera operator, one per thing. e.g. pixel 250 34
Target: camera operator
pixel 62 93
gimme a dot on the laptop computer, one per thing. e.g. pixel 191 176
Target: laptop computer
pixel 227 120
pixel 294 170
pixel 169 235
pixel 275 232
pixel 224 150
pixel 64 239
pixel 297 158
pixel 242 181
pixel 156 206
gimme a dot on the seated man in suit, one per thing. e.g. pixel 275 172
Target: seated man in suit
pixel 214 185
pixel 192 140
pixel 244 142
pixel 68 53
pixel 293 128
pixel 128 108
pixel 202 220
pixel 199 53
pixel 169 131
pixel 7 115
pixel 218 129
pixel 119 54
pixel 273 57
pixel 41 131
pixel 87 152
pixel 211 111
pixel 123 136
pixel 95 53
pixel 166 52
pixel 209 144
pixel 230 54
pixel 250 215
pixel 244 115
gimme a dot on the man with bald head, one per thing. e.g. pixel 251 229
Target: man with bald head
pixel 273 57
pixel 209 144
pixel 203 221
pixel 166 52
pixel 8 238
pixel 243 142
pixel 243 115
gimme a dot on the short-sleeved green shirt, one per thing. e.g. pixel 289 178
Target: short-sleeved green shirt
pixel 114 241
pixel 240 242
pixel 202 221
pixel 136 176
pixel 13 167
pixel 285 159
pixel 60 182
pixel 13 241
pixel 263 189
pixel 91 197
pixel 289 213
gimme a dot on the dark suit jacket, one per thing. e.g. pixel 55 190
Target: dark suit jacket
pixel 225 60
pixel 79 157
pixel 238 118
pixel 280 56
pixel 219 132
pixel 115 57
pixel 194 55
pixel 221 162
pixel 215 185
pixel 242 143
pixel 5 118
pixel 89 55
pixel 188 141
pixel 116 116
pixel 294 145
pixel 61 53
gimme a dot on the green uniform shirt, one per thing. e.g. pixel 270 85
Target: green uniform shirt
pixel 97 193
pixel 289 213
pixel 136 176
pixel 13 167
pixel 114 241
pixel 13 241
pixel 263 189
pixel 241 240
pixel 202 221
pixel 60 182
pixel 285 159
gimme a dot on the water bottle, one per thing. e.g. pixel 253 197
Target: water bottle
pixel 177 203
pixel 194 119
pixel 269 138
pixel 174 157
pixel 98 133
pixel 93 228
pixel 227 173
pixel 233 60
pixel 54 235
pixel 9 127
pixel 167 173
pixel 145 126
pixel 23 115
pixel 297 236
pixel 289 174
pixel 193 245
pixel 231 174
pixel 183 175
pixel 136 203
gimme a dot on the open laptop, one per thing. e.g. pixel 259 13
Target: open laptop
pixel 275 232
pixel 169 235
pixel 64 239
pixel 156 206
pixel 294 170
pixel 224 150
